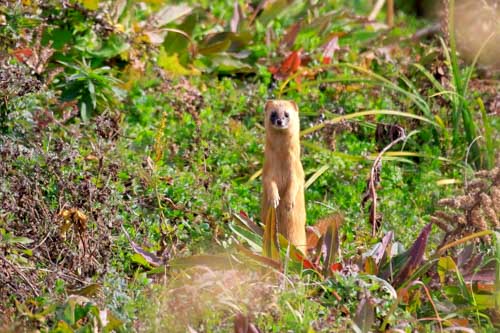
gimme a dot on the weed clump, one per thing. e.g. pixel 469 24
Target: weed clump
pixel 476 210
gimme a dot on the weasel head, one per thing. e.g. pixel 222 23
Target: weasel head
pixel 282 115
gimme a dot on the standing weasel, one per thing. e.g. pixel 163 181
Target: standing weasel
pixel 283 176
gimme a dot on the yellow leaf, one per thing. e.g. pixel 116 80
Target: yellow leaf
pixel 439 121
pixel 154 2
pixel 171 64
pixel 90 4
pixel 131 76
pixel 270 240
pixel 445 264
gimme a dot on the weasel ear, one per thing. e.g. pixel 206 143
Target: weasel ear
pixel 294 106
pixel 269 103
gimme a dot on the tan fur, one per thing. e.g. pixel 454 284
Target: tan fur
pixel 283 176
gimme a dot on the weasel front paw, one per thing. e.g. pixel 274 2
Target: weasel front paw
pixel 274 201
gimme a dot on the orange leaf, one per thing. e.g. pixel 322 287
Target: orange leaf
pixel 289 66
pixel 23 54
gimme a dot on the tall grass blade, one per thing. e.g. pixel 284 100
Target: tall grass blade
pixel 488 136
pixel 367 113
pixel 497 271
pixel 315 176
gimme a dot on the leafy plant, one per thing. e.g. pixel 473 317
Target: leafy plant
pixel 95 88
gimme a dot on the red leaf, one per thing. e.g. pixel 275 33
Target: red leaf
pixel 329 49
pixel 306 263
pixel 336 267
pixel 287 67
pixel 23 54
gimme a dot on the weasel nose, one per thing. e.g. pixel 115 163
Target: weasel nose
pixel 279 122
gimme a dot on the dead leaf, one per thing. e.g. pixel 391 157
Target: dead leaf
pixel 170 13
pixel 72 217
pixel 242 324
pixel 329 50
pixel 237 17
pixel 365 315
pixel 382 249
pixel 331 243
pixel 415 256
pixel 151 258
pixel 290 36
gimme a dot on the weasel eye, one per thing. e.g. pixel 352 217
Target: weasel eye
pixel 287 115
pixel 274 115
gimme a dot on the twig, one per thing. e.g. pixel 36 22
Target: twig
pixel 376 9
pixel 390 13
pixel 438 317
pixel 371 186
pixel 21 274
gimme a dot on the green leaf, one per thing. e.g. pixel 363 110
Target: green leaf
pixel 251 225
pixel 254 240
pixel 92 93
pixel 138 259
pixel 113 323
pixel 226 63
pixel 62 327
pixel 19 240
pixel 113 46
